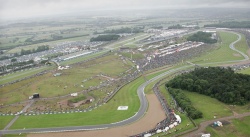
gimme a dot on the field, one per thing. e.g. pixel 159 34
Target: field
pixel 5 120
pixel 223 53
pixel 242 45
pixel 21 74
pixel 127 96
pixel 210 107
pixel 79 77
pixel 245 71
pixel 14 135
pixel 236 128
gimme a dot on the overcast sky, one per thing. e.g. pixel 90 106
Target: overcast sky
pixel 33 8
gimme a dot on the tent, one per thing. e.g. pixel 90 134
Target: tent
pixel 178 118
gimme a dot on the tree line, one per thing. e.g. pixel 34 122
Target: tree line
pixel 185 103
pixel 39 49
pixel 232 24
pixel 202 37
pixel 178 26
pixel 220 83
pixel 104 38
pixel 124 30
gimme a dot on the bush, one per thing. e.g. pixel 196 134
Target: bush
pixel 77 99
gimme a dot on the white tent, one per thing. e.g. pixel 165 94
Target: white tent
pixel 171 126
pixel 158 131
pixel 166 129
pixel 147 135
pixel 178 118
pixel 175 123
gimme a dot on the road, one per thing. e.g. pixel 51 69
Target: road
pixel 137 116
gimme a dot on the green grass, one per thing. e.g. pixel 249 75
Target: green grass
pixel 222 53
pixel 242 45
pixel 245 71
pixel 15 135
pixel 21 74
pixel 134 56
pixel 208 106
pixel 4 120
pixel 79 59
pixel 237 128
pixel 105 114
pixel 68 82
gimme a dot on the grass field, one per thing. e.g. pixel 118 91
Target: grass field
pixel 15 135
pixel 34 46
pixel 4 120
pixel 127 96
pixel 70 80
pixel 134 56
pixel 210 107
pixel 242 45
pixel 245 71
pixel 236 128
pixel 21 74
pixel 222 53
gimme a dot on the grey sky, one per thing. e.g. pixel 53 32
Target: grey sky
pixel 32 8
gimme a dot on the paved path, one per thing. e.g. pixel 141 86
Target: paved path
pixel 203 125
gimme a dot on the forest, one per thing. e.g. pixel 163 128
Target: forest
pixel 124 30
pixel 220 83
pixel 105 38
pixel 39 49
pixel 178 26
pixel 232 24
pixel 202 37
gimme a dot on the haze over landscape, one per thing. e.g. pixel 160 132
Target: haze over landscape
pixel 16 9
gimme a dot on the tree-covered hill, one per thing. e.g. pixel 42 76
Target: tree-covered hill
pixel 105 38
pixel 232 24
pixel 202 37
pixel 220 83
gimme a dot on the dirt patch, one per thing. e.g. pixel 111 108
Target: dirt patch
pixel 86 101
pixel 236 55
pixel 154 115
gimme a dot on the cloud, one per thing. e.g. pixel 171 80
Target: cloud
pixel 32 8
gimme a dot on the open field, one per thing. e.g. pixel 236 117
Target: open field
pixel 245 71
pixel 69 81
pixel 242 45
pixel 222 53
pixel 34 46
pixel 15 135
pixel 236 128
pixel 5 120
pixel 82 58
pixel 210 107
pixel 134 56
pixel 127 96
pixel 21 74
